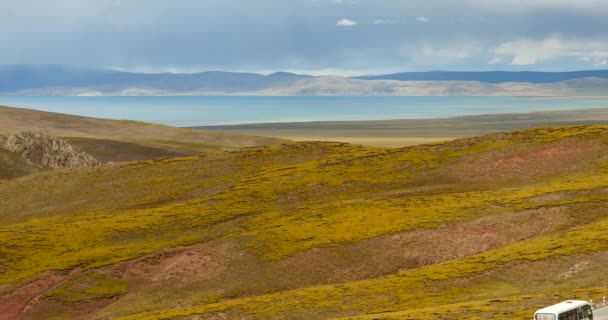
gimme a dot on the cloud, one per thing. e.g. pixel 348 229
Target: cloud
pixel 346 23
pixel 385 21
pixel 528 51
pixel 494 60
pixel 442 54
pixel 306 34
pixel 524 60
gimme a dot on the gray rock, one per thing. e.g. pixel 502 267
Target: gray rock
pixel 46 151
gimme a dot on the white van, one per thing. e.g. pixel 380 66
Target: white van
pixel 567 310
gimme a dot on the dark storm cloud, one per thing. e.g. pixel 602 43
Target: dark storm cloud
pixel 326 36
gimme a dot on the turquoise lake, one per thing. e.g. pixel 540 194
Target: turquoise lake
pixel 217 110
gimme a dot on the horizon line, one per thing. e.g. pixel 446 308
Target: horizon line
pixel 310 73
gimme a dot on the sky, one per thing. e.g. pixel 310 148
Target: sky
pixel 343 37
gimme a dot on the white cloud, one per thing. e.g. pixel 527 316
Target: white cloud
pixel 602 63
pixel 385 21
pixel 446 53
pixel 528 51
pixel 524 60
pixel 494 60
pixel 346 23
pixel 422 19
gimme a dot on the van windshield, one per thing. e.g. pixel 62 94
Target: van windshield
pixel 544 316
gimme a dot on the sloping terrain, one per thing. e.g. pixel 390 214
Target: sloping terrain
pixel 12 165
pixel 141 140
pixel 106 150
pixel 486 227
pixel 27 152
pixel 46 151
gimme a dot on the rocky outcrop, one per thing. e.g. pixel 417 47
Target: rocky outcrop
pixel 46 151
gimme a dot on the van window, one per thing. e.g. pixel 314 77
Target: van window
pixel 570 315
pixel 544 316
pixel 587 312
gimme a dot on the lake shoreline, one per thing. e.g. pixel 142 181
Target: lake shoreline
pixel 188 111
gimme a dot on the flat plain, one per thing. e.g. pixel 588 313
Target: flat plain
pixel 401 133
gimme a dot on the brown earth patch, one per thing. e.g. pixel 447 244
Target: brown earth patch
pixel 554 274
pixel 525 162
pixel 14 303
pixel 199 262
pixel 391 253
pixel 54 309
pixel 201 271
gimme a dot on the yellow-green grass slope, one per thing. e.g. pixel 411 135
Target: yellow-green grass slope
pixel 12 165
pixel 149 135
pixel 318 230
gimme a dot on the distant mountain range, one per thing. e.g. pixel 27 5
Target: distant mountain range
pixel 69 80
pixel 491 76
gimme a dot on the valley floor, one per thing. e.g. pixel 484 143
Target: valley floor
pixel 401 133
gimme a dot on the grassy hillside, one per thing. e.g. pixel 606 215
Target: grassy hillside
pixel 114 141
pixel 106 150
pixel 486 227
pixel 149 135
pixel 12 166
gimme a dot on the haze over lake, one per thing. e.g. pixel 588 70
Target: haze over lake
pixel 218 110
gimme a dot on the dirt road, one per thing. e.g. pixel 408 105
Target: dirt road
pixel 600 314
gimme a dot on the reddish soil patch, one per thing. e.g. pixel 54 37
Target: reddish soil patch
pixel 575 271
pixel 196 263
pixel 390 253
pixel 525 163
pixel 57 309
pixel 13 304
pixel 202 270
pixel 29 301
